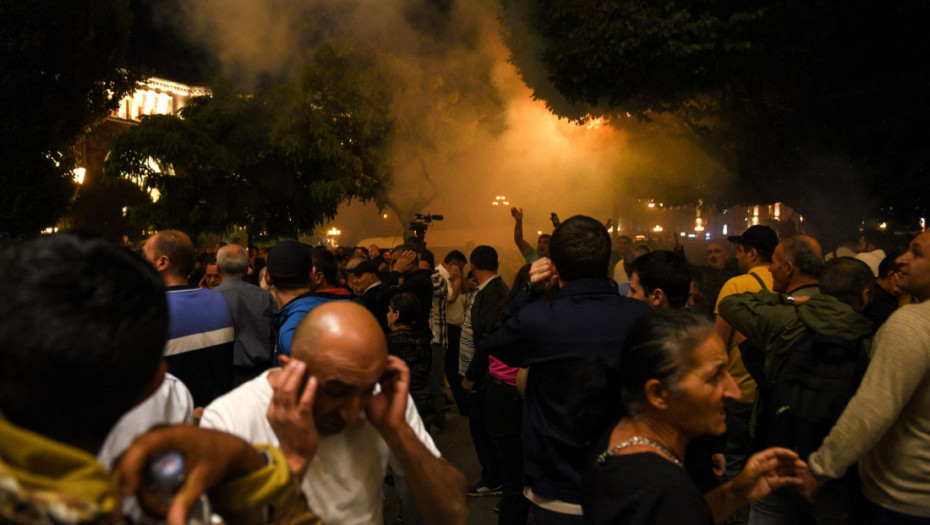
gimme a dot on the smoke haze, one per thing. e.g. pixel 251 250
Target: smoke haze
pixel 467 128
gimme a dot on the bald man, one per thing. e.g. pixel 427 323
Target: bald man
pixel 253 312
pixel 796 266
pixel 341 385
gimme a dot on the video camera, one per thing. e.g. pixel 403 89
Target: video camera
pixel 422 221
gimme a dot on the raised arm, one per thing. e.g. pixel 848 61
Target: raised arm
pixel 437 487
pixel 522 245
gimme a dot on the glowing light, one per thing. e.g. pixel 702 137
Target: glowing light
pixel 883 225
pixel 610 230
pixel 923 224
pixel 79 175
pixel 691 235
pixel 595 124
pixel 755 211
pixel 657 228
pixel 777 210
pixel 755 221
pixel 384 216
pixel 125 210
pixel 334 232
pixel 506 203
pixel 539 232
pixel 698 225
pixel 50 230
pixel 683 234
pixel 494 203
pixel 724 229
pixel 651 205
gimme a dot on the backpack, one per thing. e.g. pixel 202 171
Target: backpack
pixel 808 391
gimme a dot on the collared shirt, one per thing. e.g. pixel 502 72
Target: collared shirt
pixel 437 314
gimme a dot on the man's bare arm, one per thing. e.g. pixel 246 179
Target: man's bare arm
pixel 437 487
pixel 522 245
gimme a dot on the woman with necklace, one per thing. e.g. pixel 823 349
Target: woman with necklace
pixel 673 386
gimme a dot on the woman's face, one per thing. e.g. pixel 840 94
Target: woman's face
pixel 698 405
pixel 392 316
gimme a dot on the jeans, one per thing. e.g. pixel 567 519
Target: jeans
pixel 738 449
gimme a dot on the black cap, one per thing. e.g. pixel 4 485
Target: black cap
pixel 289 260
pixel 363 268
pixel 760 237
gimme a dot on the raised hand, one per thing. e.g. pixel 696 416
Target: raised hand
pixel 291 414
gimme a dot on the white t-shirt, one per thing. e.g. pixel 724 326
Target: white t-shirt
pixel 345 479
pixel 171 403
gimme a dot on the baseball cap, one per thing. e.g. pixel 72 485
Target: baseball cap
pixel 760 237
pixel 289 260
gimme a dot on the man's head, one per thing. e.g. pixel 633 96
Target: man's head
pixel 400 249
pixel 289 265
pixel 374 252
pixel 754 247
pixel 717 255
pixel 232 261
pixel 83 324
pixel 484 262
pixel 325 269
pixel 849 280
pixel 660 279
pixel 172 254
pixel 871 240
pixel 796 262
pixel 623 244
pixel 363 275
pixel 344 348
pixel 542 245
pixel 427 259
pixel 456 258
pixel 914 276
pixel 580 249
pixel 211 273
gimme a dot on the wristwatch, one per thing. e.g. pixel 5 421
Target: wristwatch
pixel 789 300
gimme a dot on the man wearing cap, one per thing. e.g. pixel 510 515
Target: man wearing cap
pixel 289 270
pixel 754 249
pixel 371 294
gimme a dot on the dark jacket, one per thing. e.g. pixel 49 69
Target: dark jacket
pixel 485 312
pixel 587 319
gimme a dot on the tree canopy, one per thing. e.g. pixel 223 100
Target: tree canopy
pixel 798 99
pixel 278 161
pixel 63 69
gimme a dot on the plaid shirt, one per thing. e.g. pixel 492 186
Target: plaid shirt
pixel 437 314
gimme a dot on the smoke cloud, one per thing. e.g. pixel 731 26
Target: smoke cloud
pixel 468 129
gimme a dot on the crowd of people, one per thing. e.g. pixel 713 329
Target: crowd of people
pixel 610 382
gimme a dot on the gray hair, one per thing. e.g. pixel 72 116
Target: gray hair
pixel 232 259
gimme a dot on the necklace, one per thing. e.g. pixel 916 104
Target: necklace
pixel 640 440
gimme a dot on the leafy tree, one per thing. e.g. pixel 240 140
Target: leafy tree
pixel 61 70
pixel 799 99
pixel 278 162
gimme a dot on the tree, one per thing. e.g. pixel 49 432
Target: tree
pixel 63 69
pixel 796 98
pixel 278 162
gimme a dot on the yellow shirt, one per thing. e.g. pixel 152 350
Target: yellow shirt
pixel 740 284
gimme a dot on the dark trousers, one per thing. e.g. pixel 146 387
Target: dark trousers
pixel 452 370
pixel 541 516
pixel 876 515
pixel 484 447
pixel 503 409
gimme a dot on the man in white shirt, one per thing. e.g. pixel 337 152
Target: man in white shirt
pixel 356 398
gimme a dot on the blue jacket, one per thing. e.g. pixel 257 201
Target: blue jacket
pixel 288 317
pixel 587 319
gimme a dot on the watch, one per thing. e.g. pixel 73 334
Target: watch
pixel 789 300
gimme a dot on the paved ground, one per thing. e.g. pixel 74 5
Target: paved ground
pixel 455 444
